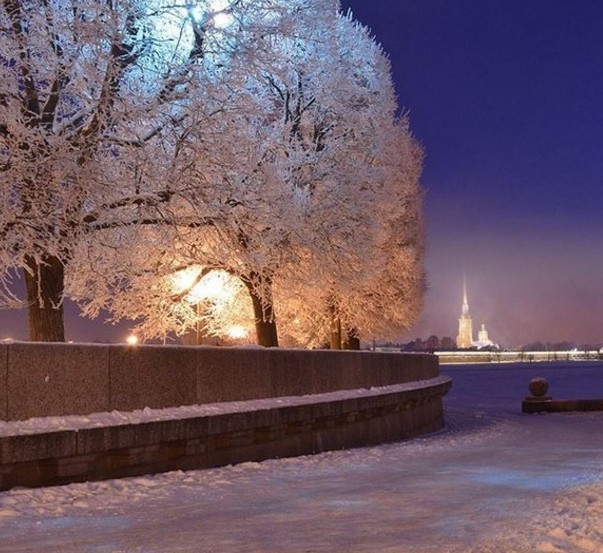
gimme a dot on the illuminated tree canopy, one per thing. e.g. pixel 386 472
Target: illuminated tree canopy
pixel 255 138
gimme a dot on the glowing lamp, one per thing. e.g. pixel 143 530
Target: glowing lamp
pixel 237 332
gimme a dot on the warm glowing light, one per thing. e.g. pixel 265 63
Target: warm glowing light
pixel 132 340
pixel 184 281
pixel 237 332
pixel 212 286
pixel 217 296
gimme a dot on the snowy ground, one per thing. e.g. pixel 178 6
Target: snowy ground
pixel 494 481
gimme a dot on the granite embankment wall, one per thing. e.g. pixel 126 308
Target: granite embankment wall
pixel 390 397
pixel 76 379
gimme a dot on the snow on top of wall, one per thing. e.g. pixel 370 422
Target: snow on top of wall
pixel 118 418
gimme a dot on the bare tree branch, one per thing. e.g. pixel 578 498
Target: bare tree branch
pixel 31 105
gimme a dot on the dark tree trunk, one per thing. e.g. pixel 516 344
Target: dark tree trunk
pixel 265 325
pixel 44 289
pixel 352 340
pixel 263 313
pixel 335 330
pixel 335 337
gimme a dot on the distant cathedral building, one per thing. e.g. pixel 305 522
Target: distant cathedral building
pixel 464 339
pixel 482 338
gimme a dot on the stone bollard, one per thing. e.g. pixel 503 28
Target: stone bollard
pixel 538 401
pixel 538 387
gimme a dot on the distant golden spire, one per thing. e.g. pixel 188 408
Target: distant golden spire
pixel 465 302
pixel 464 339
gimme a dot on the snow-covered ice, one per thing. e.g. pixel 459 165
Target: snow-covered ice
pixel 493 481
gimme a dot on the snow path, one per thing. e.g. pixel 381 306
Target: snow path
pixel 494 481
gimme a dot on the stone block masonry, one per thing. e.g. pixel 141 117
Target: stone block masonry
pixel 56 379
pixel 39 380
pixel 318 424
pixel 152 377
pixel 317 401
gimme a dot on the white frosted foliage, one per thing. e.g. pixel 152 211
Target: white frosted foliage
pixel 257 139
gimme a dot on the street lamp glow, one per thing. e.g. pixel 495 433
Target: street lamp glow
pixel 132 340
pixel 237 332
pixel 218 298
pixel 212 286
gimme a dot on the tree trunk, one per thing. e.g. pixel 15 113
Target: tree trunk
pixel 335 337
pixel 265 325
pixel 335 330
pixel 352 340
pixel 263 313
pixel 44 290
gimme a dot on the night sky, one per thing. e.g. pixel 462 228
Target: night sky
pixel 506 97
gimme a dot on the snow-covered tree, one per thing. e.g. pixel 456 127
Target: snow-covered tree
pixel 299 182
pixel 378 290
pixel 385 296
pixel 93 98
pixel 76 78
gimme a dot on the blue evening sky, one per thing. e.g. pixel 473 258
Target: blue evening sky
pixel 506 97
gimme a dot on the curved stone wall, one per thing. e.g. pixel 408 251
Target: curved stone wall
pixel 311 401
pixel 77 379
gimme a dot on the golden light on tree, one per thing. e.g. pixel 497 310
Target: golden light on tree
pixel 220 301
pixel 281 160
pixel 215 285
pixel 237 332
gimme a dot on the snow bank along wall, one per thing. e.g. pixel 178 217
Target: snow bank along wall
pixel 389 397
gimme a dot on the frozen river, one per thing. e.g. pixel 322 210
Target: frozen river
pixel 494 481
